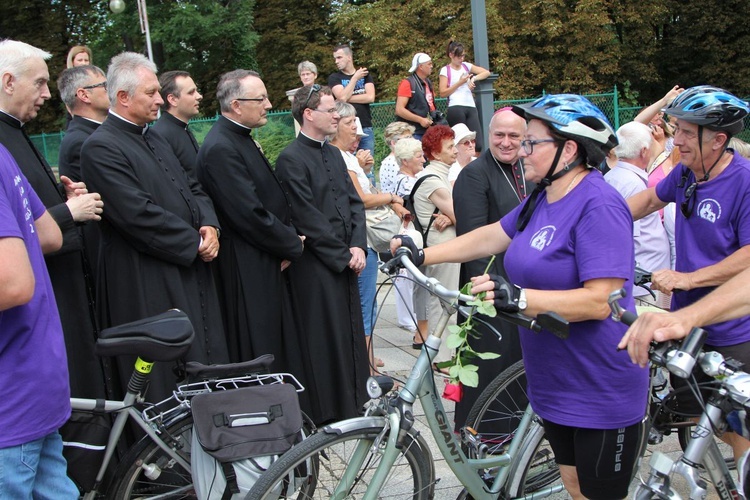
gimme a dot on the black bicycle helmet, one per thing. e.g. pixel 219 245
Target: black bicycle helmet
pixel 710 107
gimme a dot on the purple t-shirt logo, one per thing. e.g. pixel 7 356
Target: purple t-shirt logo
pixel 542 238
pixel 710 210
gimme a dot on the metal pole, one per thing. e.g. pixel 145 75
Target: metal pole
pixel 484 89
pixel 143 16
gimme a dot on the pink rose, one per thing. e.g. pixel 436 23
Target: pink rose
pixel 454 392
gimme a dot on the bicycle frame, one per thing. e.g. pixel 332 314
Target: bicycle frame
pixel 420 385
pixel 124 410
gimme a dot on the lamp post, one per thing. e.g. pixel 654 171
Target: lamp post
pixel 118 6
pixel 485 90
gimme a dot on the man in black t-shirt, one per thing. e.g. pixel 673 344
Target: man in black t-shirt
pixel 356 88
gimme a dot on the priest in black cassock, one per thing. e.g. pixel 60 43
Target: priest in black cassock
pixel 328 211
pixel 181 103
pixel 83 89
pixel 258 241
pixel 24 90
pixel 486 190
pixel 156 239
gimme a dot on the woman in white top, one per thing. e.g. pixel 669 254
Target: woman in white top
pixel 456 82
pixel 344 139
pixel 388 167
pixel 465 141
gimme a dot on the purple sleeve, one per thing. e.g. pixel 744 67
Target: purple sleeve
pixel 604 243
pixel 743 229
pixel 37 207
pixel 667 187
pixel 508 222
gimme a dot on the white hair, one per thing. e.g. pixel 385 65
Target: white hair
pixel 632 138
pixel 14 56
pixel 122 73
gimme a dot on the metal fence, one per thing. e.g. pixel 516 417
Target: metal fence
pixel 279 131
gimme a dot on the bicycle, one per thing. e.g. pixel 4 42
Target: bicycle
pixel 702 451
pixel 382 454
pixel 158 465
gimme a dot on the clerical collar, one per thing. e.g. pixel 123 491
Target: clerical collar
pixel 87 119
pixel 128 121
pixel 169 116
pixel 239 124
pixel 310 138
pixel 19 122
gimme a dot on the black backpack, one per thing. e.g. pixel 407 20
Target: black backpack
pixel 409 205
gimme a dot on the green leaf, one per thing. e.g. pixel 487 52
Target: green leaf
pixel 454 341
pixel 455 329
pixel 453 372
pixel 468 377
pixel 487 355
pixel 487 309
pixel 466 289
pixel 472 368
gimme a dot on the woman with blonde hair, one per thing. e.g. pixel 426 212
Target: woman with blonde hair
pixel 80 55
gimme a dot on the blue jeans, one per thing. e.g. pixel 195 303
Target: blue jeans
pixel 368 282
pixel 368 141
pixel 36 470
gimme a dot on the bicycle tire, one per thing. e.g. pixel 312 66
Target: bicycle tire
pixel 495 416
pixel 412 475
pixel 173 482
pixel 534 468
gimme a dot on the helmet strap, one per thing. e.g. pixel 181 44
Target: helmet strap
pixel 706 173
pixel 528 209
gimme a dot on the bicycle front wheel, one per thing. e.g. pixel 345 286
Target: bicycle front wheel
pixel 147 471
pixel 325 457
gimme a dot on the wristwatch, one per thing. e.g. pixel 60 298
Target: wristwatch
pixel 522 304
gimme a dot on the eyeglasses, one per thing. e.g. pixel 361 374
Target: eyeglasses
pixel 314 88
pixel 329 111
pixel 468 141
pixel 253 99
pixel 528 145
pixel 96 85
pixel 687 206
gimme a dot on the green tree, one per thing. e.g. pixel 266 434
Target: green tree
pixel 706 43
pixel 292 32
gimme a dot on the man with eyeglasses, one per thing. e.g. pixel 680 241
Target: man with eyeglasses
pixel 83 89
pixel 181 103
pixel 258 240
pixel 485 191
pixel 161 231
pixel 325 294
pixel 712 228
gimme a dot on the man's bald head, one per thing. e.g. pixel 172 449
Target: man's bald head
pixel 506 133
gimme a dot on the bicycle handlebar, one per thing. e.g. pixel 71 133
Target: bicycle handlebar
pixel 680 357
pixel 549 321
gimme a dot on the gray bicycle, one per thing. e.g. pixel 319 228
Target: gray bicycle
pixel 382 455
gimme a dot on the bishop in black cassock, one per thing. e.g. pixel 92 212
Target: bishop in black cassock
pixel 486 190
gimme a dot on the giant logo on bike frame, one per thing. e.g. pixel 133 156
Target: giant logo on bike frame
pixel 543 237
pixel 709 210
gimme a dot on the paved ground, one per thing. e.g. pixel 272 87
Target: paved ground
pixel 393 345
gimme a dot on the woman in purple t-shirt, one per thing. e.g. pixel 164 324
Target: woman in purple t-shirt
pixel 568 246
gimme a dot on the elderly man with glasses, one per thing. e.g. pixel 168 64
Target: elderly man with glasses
pixel 325 295
pixel 258 241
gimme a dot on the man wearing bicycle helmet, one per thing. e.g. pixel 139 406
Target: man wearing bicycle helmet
pixel 710 187
pixel 568 245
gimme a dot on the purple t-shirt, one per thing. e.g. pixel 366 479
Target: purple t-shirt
pixel 718 226
pixel 582 381
pixel 34 390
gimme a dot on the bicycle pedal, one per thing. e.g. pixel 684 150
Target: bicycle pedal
pixel 655 437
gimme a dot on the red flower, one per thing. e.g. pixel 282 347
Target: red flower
pixel 454 392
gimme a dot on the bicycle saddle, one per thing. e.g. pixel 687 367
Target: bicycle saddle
pixel 199 371
pixel 164 337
